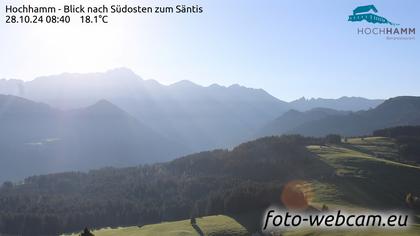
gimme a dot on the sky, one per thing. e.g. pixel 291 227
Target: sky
pixel 290 48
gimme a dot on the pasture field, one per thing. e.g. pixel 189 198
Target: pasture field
pixel 210 225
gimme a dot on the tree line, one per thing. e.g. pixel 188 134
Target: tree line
pixel 407 139
pixel 246 178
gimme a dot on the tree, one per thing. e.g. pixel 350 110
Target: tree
pixel 244 179
pixel 86 232
pixel 7 185
pixel 333 139
pixel 193 221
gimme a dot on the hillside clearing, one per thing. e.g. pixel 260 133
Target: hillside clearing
pixel 210 225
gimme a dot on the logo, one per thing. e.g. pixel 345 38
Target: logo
pixel 390 30
pixel 365 13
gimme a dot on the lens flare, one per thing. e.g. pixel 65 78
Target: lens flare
pixel 296 195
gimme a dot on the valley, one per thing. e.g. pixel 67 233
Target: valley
pixel 343 176
pixel 116 118
pixel 112 152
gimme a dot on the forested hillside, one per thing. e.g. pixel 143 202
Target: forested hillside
pixel 247 178
pixel 407 139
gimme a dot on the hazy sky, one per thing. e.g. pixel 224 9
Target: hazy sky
pixel 290 48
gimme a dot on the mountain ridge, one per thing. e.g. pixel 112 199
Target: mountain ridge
pixel 398 111
pixel 293 119
pixel 343 103
pixel 36 138
pixel 124 72
pixel 199 117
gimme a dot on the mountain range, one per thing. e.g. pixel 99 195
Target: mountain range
pixel 343 103
pixel 398 111
pixel 84 121
pixel 292 119
pixel 36 138
pixel 197 116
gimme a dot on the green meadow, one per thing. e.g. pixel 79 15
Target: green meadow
pixel 210 225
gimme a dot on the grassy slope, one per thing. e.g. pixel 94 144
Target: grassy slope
pixel 211 225
pixel 362 181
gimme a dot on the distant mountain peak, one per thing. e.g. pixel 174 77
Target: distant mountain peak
pixel 344 103
pixel 291 111
pixel 18 104
pixel 402 98
pixel 122 71
pixel 122 74
pixel 11 80
pixel 103 102
pixel 214 85
pixel 104 107
pixel 399 102
pixel 184 84
pixel 236 86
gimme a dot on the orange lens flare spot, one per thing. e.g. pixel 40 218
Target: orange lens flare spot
pixel 295 195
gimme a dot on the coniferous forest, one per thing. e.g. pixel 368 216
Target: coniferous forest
pixel 249 177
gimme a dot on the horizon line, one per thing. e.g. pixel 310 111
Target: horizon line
pixel 195 84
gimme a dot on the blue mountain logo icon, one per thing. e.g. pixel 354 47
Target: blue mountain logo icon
pixel 367 13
